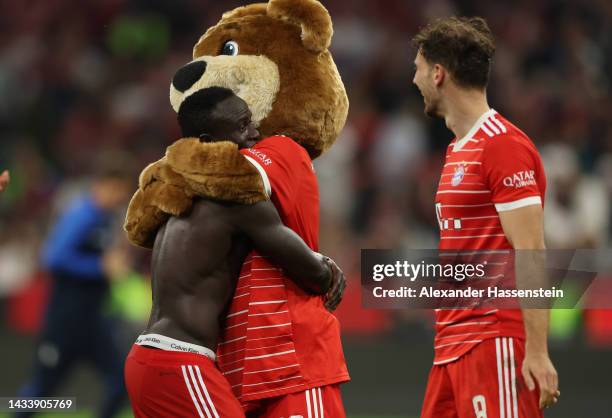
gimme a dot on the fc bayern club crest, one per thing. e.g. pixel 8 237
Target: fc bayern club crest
pixel 458 176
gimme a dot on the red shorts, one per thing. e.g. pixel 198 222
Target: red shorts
pixel 175 384
pixel 319 402
pixel 486 382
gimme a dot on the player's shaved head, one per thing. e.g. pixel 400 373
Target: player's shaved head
pixel 195 112
pixel 217 114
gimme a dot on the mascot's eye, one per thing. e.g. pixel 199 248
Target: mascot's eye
pixel 230 48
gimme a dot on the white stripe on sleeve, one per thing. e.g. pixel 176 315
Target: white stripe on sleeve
pixel 527 201
pixel 263 174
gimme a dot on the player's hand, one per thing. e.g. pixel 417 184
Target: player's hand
pixel 537 368
pixel 4 180
pixel 333 297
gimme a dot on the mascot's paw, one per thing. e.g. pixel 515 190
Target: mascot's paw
pixel 190 168
pixel 143 220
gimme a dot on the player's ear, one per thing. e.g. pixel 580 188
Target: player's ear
pixel 438 74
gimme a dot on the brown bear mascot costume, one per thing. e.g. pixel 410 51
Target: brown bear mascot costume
pixel 281 349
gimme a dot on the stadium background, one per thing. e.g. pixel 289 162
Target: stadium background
pixel 82 78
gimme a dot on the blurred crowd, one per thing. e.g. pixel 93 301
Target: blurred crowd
pixel 88 78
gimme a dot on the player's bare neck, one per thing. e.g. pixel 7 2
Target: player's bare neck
pixel 463 109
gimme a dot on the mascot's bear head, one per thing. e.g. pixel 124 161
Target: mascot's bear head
pixel 275 57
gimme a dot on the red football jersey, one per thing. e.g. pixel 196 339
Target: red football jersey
pixel 494 168
pixel 278 339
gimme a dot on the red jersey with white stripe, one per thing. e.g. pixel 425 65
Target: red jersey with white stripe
pixel 278 339
pixel 494 168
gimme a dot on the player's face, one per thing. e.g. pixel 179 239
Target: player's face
pixel 423 79
pixel 231 120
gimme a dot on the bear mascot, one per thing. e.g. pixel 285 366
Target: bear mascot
pixel 280 348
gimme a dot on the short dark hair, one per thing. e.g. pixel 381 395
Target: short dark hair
pixel 463 45
pixel 195 110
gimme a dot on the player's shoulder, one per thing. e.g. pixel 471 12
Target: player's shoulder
pixel 500 134
pixel 279 147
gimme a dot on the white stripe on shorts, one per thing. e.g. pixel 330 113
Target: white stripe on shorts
pixel 210 402
pixel 315 403
pixel 194 382
pixel 308 403
pixel 314 408
pixel 499 378
pixel 507 378
pixel 320 402
pixel 193 398
pixel 513 379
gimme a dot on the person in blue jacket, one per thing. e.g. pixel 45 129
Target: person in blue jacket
pixel 80 258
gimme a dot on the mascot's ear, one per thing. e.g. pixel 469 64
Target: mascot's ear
pixel 311 16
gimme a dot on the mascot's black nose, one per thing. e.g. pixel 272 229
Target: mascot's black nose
pixel 186 76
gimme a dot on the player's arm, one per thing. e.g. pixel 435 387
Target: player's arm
pixel 524 230
pixel 261 223
pixel 4 180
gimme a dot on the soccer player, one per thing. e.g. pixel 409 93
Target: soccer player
pixel 4 180
pixel 170 371
pixel 490 197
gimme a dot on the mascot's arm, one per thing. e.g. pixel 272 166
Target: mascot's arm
pixel 216 170
pixel 161 193
pixel 191 168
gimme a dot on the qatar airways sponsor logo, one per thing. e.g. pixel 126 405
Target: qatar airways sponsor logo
pixel 260 156
pixel 520 179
